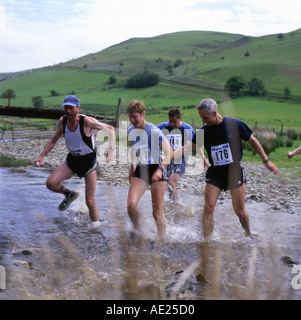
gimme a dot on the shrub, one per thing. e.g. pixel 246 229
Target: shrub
pixel 280 36
pixel 270 141
pixel 292 134
pixel 143 80
pixel 112 80
pixel 287 93
pixel 37 102
pixel 288 142
pixel 178 62
pixel 54 93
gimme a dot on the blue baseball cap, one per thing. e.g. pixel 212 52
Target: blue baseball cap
pixel 71 101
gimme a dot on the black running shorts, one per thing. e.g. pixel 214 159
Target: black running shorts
pixel 146 171
pixel 226 177
pixel 82 165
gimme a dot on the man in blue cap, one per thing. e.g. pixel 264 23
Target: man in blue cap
pixel 81 159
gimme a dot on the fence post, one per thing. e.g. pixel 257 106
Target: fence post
pixel 9 95
pixel 118 111
pixel 12 131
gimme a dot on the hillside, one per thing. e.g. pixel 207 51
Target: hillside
pixel 209 59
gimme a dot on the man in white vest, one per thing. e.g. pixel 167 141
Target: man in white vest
pixel 81 159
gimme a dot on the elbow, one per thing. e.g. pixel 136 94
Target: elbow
pixel 110 128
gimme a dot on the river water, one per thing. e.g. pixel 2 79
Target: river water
pixel 49 254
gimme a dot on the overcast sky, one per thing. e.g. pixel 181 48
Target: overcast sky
pixel 41 33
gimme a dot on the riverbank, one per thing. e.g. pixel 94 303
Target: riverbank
pixel 281 192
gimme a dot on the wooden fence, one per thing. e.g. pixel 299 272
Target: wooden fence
pixel 24 129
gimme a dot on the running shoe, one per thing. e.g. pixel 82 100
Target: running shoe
pixel 67 201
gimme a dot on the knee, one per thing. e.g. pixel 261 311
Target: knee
pixel 90 201
pixel 131 205
pixel 159 218
pixel 208 208
pixel 50 183
pixel 172 183
pixel 240 212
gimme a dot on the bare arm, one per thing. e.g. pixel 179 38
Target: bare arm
pixel 169 154
pixel 290 154
pixel 51 142
pixel 259 150
pixel 201 152
pixel 93 124
pixel 185 150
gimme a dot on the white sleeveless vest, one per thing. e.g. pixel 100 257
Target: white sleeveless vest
pixel 76 141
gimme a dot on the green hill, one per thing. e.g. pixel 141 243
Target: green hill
pixel 209 59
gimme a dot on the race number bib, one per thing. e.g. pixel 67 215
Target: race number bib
pixel 175 140
pixel 221 154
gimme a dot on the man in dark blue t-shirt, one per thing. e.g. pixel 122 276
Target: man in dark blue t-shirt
pixel 178 133
pixel 222 141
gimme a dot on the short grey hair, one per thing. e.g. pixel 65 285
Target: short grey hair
pixel 208 105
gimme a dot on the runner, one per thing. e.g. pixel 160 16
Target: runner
pixel 222 139
pixel 177 133
pixel 146 166
pixel 81 159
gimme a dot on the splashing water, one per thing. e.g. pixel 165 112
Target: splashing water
pixel 49 254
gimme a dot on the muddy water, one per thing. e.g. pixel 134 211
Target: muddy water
pixel 49 254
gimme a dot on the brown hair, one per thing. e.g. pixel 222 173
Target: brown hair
pixel 135 106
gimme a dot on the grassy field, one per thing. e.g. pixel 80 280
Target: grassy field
pixel 252 111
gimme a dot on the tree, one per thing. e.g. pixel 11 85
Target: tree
pixel 143 80
pixel 6 93
pixel 178 62
pixel 54 93
pixel 280 36
pixel 234 85
pixel 37 102
pixel 287 93
pixel 112 80
pixel 256 87
pixel 247 54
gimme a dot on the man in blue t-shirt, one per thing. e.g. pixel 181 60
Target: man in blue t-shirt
pixel 178 133
pixel 222 140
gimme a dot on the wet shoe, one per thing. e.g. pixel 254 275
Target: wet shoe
pixel 67 201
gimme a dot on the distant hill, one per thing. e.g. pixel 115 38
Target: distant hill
pixel 208 59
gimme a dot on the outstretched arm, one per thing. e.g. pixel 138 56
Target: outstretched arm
pixel 93 124
pixel 201 152
pixel 259 150
pixel 186 150
pixel 290 154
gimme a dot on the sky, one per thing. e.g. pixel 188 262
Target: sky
pixel 36 34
